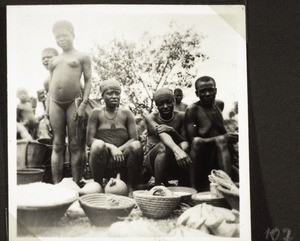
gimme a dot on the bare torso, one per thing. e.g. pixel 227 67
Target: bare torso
pixel 205 120
pixel 180 107
pixel 117 121
pixel 177 122
pixel 66 71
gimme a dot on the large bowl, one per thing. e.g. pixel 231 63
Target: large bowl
pixel 40 204
pixel 29 175
pixel 185 193
pixel 156 206
pixel 100 213
pixel 42 216
pixel 209 198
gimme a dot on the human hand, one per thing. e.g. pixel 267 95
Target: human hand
pixel 182 159
pixel 80 114
pixel 117 157
pixel 164 128
pixel 47 123
pixel 232 137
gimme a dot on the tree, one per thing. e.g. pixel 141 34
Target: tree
pixel 171 59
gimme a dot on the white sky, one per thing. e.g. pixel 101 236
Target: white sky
pixel 30 31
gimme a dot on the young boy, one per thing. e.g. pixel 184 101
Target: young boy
pixel 23 96
pixel 64 107
pixel 25 113
pixel 179 105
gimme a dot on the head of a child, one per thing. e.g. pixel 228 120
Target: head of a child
pixel 22 94
pixel 64 34
pixel 47 55
pixel 178 95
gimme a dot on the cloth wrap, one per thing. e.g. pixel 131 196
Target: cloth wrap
pixel 116 136
pixel 109 85
pixel 163 93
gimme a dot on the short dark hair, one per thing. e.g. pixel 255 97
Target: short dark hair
pixel 63 24
pixel 178 90
pixel 53 50
pixel 205 79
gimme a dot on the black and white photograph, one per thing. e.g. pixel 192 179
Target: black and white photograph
pixel 131 122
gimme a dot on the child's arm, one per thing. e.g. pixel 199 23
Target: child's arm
pixel 49 84
pixel 87 74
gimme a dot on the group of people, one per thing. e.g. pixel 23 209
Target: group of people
pixel 183 142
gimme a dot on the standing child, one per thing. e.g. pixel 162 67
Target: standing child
pixel 64 108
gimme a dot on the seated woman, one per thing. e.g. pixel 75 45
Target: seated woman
pixel 113 139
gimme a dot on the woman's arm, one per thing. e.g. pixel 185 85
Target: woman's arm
pixel 92 127
pixel 131 128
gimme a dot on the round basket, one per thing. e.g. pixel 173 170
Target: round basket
pixel 233 199
pixel 29 175
pixel 100 213
pixel 185 193
pixel 155 206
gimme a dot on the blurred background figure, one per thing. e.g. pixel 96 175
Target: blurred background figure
pixel 179 105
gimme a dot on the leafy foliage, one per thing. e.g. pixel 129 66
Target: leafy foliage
pixel 171 59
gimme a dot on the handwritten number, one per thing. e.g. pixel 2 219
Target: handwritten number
pixel 275 234
pixel 288 236
pixel 267 233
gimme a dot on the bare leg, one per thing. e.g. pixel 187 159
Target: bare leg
pixel 196 156
pixel 224 158
pixel 98 160
pixel 161 163
pixel 183 174
pixel 58 122
pixel 75 148
pixel 134 161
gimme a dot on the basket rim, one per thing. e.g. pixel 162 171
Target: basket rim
pixel 45 207
pixel 144 194
pixel 131 202
pixel 213 199
pixel 188 190
pixel 23 170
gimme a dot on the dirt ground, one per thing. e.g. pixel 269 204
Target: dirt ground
pixel 81 226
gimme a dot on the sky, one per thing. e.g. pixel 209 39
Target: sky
pixel 30 31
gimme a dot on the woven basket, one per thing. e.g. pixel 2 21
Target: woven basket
pixel 42 216
pixel 155 206
pixel 233 199
pixel 29 175
pixel 101 214
pixel 185 193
